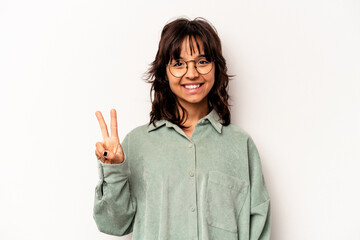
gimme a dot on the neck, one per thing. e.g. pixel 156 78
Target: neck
pixel 195 113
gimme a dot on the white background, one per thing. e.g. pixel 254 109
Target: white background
pixel 296 92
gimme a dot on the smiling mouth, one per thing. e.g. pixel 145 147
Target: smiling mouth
pixel 193 86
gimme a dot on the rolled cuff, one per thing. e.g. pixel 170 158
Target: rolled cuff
pixel 112 173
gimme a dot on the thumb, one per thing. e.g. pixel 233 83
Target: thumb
pixel 118 150
pixel 114 156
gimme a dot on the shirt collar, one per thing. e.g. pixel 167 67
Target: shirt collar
pixel 212 117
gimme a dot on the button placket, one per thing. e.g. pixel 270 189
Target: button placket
pixel 193 218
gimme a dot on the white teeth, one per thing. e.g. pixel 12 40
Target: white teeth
pixel 191 86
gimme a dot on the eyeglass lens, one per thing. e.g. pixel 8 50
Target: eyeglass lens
pixel 178 67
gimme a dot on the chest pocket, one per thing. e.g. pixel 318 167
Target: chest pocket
pixel 225 196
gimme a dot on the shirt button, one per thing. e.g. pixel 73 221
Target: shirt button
pixel 191 173
pixel 192 209
pixel 190 145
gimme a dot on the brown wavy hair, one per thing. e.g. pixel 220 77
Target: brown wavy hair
pixel 164 102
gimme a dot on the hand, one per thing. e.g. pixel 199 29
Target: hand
pixel 111 145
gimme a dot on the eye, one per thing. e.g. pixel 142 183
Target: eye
pixel 203 62
pixel 178 64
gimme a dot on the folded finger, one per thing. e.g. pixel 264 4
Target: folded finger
pixel 100 147
pixel 98 154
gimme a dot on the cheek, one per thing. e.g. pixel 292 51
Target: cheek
pixel 172 87
pixel 173 84
pixel 211 80
pixel 173 81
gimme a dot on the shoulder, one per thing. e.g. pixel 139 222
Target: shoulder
pixel 236 135
pixel 234 131
pixel 135 135
pixel 138 131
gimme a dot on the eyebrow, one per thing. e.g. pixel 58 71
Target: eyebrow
pixel 202 55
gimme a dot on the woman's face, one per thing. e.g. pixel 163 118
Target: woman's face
pixel 192 88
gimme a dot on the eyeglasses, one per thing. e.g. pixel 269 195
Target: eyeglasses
pixel 179 67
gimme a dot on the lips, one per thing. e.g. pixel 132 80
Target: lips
pixel 192 85
pixel 193 88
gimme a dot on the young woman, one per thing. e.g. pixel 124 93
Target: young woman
pixel 189 173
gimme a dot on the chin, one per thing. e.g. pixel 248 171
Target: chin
pixel 193 100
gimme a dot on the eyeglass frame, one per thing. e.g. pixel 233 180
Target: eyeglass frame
pixel 186 62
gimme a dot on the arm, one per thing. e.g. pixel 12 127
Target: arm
pixel 260 201
pixel 114 206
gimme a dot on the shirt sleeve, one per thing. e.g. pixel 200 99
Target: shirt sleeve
pixel 260 201
pixel 114 206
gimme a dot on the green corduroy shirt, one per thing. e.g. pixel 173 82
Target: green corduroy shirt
pixel 171 187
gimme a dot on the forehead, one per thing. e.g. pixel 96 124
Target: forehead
pixel 191 46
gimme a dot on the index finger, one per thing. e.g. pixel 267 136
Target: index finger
pixel 113 124
pixel 102 124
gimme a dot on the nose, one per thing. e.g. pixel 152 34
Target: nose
pixel 191 70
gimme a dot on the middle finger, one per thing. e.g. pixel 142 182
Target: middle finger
pixel 113 124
